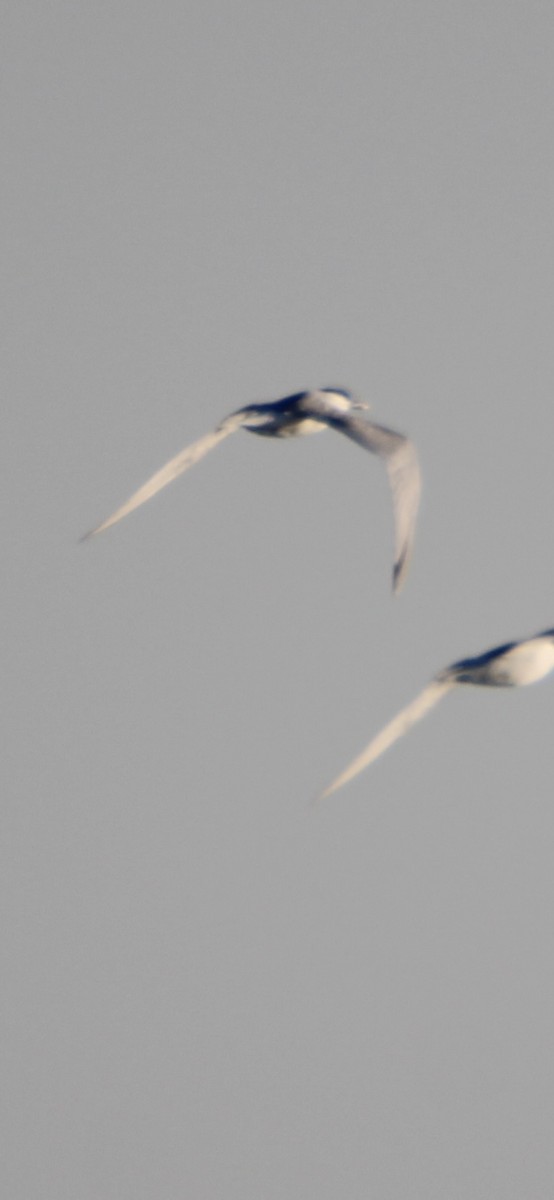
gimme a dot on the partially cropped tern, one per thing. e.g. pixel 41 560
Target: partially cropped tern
pixel 303 413
pixel 514 664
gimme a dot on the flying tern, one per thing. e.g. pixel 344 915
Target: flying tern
pixel 515 664
pixel 303 413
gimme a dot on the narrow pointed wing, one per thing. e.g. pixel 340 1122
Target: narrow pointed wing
pixel 402 463
pixel 394 730
pixel 187 457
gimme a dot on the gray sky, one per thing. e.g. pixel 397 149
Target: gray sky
pixel 210 988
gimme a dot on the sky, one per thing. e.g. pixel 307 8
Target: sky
pixel 212 988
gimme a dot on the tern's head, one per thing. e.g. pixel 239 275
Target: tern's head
pixel 344 394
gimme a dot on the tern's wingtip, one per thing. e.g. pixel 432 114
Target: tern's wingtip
pixel 86 537
pixel 398 577
pixel 322 795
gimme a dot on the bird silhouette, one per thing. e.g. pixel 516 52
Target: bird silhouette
pixel 514 664
pixel 299 414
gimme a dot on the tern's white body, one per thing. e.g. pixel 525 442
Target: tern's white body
pixel 291 417
pixel 298 415
pixel 526 663
pixel 514 664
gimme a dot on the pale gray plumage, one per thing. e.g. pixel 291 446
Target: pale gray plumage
pixel 514 664
pixel 299 414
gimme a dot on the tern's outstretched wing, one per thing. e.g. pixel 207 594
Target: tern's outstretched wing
pixel 399 725
pixel 401 461
pixel 175 466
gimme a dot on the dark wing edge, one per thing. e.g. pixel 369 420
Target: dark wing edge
pixel 402 463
